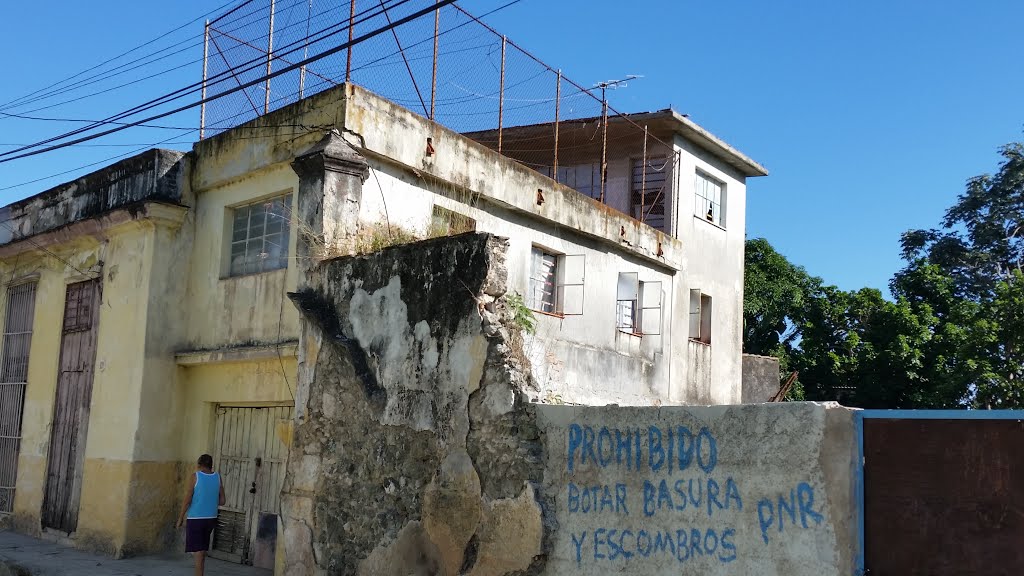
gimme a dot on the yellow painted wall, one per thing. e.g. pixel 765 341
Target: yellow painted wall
pixel 249 309
pixel 126 255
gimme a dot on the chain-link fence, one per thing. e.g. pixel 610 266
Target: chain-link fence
pixel 448 66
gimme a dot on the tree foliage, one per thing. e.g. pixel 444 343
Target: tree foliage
pixel 953 334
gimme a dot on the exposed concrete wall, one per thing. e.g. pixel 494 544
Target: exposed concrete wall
pixel 150 176
pixel 414 451
pixel 757 489
pixel 760 378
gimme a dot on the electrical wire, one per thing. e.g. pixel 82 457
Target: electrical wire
pixel 109 60
pixel 256 62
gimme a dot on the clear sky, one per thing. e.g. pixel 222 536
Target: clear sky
pixel 870 115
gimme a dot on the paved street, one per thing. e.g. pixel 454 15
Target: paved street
pixel 38 557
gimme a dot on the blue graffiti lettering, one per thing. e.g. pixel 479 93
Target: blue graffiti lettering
pixel 644 551
pixel 765 517
pixel 684 451
pixel 713 496
pixel 598 542
pixel 620 499
pixel 655 452
pixel 579 545
pixel 805 500
pixel 603 437
pixel 626 446
pixel 732 492
pixel 727 545
pixel 575 437
pixel 712 448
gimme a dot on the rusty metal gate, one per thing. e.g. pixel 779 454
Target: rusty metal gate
pixel 21 304
pixel 71 407
pixel 250 455
pixel 942 492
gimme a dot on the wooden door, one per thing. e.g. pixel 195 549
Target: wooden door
pixel 71 407
pixel 250 456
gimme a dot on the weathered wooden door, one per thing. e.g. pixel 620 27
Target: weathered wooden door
pixel 71 407
pixel 17 338
pixel 250 456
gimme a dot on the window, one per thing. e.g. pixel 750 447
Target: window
pixel 17 340
pixel 649 190
pixel 556 283
pixel 583 178
pixel 700 316
pixel 638 305
pixel 259 236
pixel 710 199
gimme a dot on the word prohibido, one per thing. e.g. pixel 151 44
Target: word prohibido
pixel 670 448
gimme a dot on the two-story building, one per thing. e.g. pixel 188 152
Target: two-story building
pixel 146 318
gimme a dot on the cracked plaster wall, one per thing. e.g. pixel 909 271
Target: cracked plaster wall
pixel 415 451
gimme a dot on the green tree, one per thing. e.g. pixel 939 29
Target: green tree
pixel 969 274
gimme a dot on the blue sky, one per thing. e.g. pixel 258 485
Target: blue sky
pixel 870 115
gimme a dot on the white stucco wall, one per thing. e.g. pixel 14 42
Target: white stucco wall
pixel 715 266
pixel 579 359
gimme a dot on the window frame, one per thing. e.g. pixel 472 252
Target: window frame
pixel 642 195
pixel 641 302
pixel 267 230
pixel 567 283
pixel 701 314
pixel 703 203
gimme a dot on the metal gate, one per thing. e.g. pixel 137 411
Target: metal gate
pixel 250 456
pixel 942 492
pixel 21 305
pixel 71 407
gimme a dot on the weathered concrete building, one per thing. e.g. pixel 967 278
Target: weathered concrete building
pixel 147 319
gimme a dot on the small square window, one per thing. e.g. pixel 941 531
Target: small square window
pixel 556 282
pixel 700 316
pixel 259 236
pixel 638 305
pixel 710 199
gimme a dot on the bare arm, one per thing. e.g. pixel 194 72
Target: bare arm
pixel 222 498
pixel 187 502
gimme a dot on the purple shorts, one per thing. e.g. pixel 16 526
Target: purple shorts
pixel 197 534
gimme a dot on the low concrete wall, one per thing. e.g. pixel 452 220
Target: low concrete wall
pixel 758 489
pixel 760 378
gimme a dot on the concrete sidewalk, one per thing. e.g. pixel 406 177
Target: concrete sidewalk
pixel 22 555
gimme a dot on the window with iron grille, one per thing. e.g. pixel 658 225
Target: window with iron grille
pixel 543 273
pixel 259 236
pixel 710 199
pixel 649 190
pixel 17 339
pixel 556 282
pixel 638 308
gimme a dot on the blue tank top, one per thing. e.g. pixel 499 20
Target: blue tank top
pixel 205 496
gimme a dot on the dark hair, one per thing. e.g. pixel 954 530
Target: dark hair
pixel 206 461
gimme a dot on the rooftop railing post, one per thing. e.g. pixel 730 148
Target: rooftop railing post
pixel 351 25
pixel 270 59
pixel 501 92
pixel 202 97
pixel 558 105
pixel 433 78
pixel 604 141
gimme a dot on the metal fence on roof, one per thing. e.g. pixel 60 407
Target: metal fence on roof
pixel 447 65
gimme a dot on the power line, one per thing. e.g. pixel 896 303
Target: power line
pixel 254 63
pixel 143 45
pixel 124 68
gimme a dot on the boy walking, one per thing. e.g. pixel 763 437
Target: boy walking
pixel 199 511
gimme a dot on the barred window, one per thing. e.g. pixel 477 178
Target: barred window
pixel 259 236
